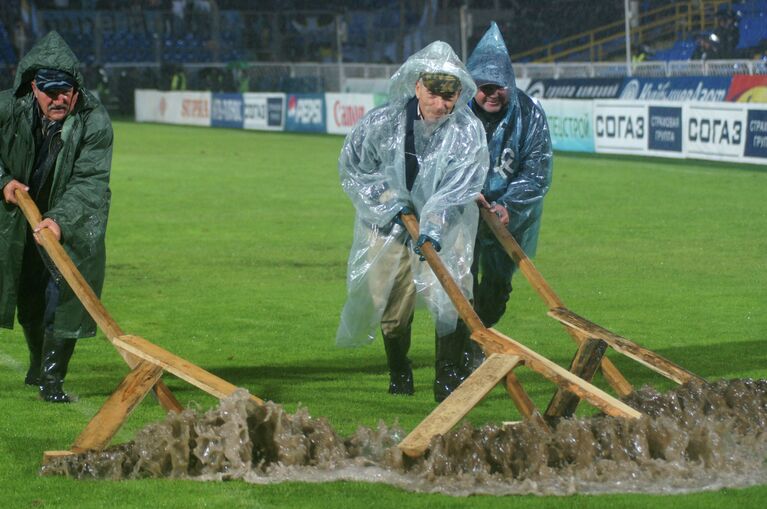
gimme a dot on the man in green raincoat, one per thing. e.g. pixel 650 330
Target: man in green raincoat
pixel 55 143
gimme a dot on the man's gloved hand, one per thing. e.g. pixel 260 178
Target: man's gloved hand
pixel 398 217
pixel 423 239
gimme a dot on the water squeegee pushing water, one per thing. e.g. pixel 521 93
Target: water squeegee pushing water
pixel 147 361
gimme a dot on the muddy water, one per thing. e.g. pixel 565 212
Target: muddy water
pixel 696 437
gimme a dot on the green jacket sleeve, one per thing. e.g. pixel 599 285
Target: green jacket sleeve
pixel 88 186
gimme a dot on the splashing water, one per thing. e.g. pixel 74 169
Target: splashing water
pixel 695 437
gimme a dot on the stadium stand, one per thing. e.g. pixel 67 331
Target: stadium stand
pixel 263 45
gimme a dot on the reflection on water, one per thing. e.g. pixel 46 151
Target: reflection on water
pixel 695 437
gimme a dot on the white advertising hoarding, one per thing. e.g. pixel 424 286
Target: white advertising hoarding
pixel 620 127
pixel 264 111
pixel 715 130
pixel 342 111
pixel 187 108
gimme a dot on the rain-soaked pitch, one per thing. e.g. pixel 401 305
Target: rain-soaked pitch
pixel 698 436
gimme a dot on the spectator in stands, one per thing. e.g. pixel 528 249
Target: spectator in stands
pixel 706 47
pixel 641 53
pixel 20 38
pixel 728 32
pixel 519 178
pixel 178 80
pixel 48 99
pixel 422 153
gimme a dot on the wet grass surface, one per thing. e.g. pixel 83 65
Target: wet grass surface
pixel 229 249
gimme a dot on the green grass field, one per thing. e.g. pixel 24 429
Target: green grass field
pixel 229 249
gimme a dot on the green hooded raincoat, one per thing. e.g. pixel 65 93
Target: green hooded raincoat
pixel 80 196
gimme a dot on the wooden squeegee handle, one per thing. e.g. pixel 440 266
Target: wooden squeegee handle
pixel 461 303
pixel 84 292
pixel 67 268
pixel 515 251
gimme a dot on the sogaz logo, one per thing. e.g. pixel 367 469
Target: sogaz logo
pixel 623 126
pixel 717 131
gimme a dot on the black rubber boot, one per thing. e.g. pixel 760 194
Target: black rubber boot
pixel 34 337
pixel 473 356
pixel 56 355
pixel 400 370
pixel 450 369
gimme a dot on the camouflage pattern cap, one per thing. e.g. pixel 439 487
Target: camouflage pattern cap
pixel 441 83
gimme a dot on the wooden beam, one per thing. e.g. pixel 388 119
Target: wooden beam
pixel 458 403
pixel 461 303
pixel 522 400
pixel 182 368
pixel 49 456
pixel 557 374
pixel 614 377
pixel 515 251
pixel 85 293
pixel 584 365
pixel 105 424
pixel 465 309
pixel 627 347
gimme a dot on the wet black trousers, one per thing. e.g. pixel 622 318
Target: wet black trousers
pixel 38 291
pixel 36 306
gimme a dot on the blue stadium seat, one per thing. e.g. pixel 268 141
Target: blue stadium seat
pixel 752 30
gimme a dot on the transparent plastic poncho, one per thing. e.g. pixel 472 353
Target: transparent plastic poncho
pixel 520 153
pixel 452 155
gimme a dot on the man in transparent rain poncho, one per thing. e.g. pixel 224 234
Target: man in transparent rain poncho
pixel 519 177
pixel 423 152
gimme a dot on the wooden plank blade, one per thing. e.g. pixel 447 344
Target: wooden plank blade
pixel 459 403
pixel 182 368
pixel 627 347
pixel 584 364
pixel 105 424
pixel 559 375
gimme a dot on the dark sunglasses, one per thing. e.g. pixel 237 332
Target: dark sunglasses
pixel 490 89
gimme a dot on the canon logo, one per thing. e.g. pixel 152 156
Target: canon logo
pixel 347 115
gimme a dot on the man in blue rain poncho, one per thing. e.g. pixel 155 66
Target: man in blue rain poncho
pixel 518 179
pixel 424 152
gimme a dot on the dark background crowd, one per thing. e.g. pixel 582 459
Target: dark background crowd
pixel 217 44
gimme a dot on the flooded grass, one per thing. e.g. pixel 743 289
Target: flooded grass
pixel 696 437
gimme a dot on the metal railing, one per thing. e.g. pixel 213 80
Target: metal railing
pixel 677 20
pixel 646 69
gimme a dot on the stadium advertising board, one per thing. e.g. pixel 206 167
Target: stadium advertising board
pixel 576 88
pixel 665 135
pixel 226 111
pixel 716 131
pixel 306 113
pixel 345 110
pixel 748 89
pixel 263 111
pixel 620 127
pixel 688 88
pixel 187 108
pixel 146 105
pixel 570 124
pixel 756 134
